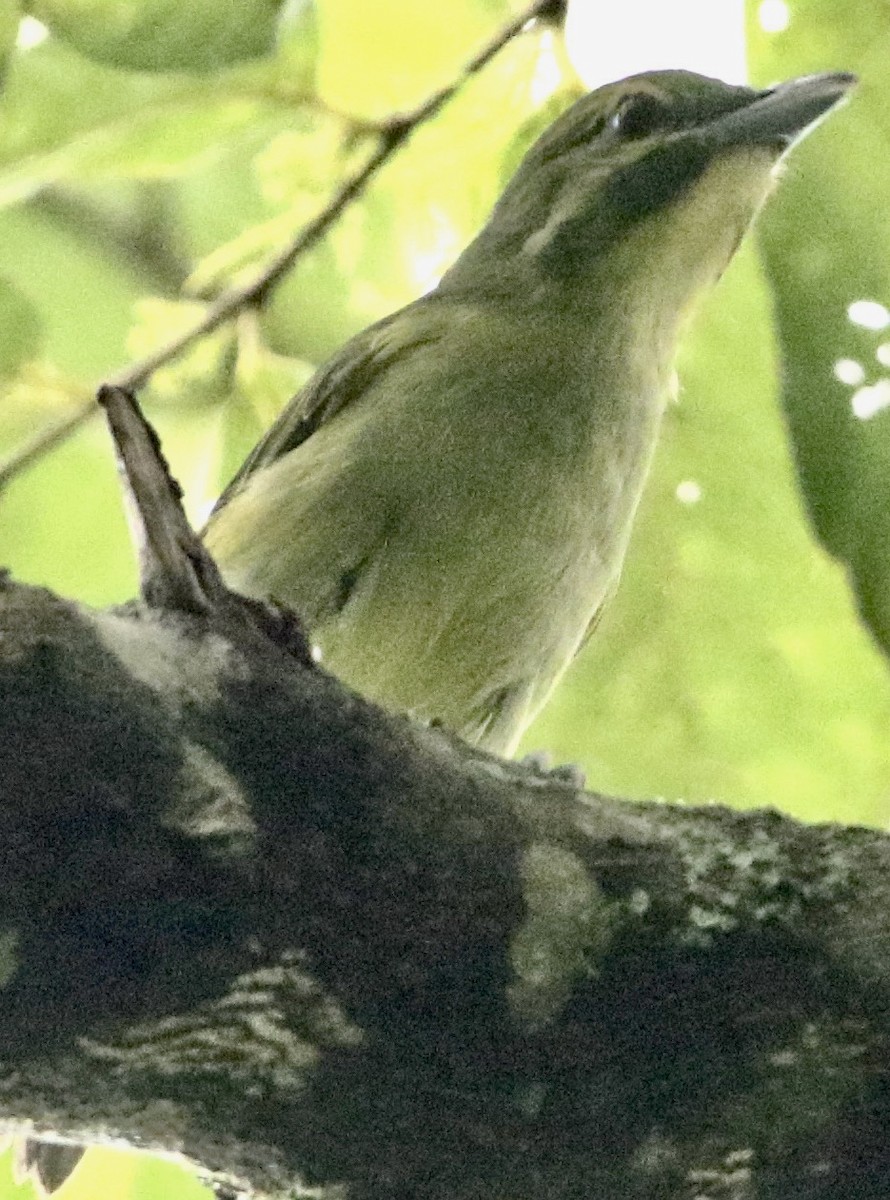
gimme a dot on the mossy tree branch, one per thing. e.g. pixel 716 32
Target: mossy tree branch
pixel 248 917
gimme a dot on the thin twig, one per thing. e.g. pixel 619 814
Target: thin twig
pixel 45 441
pixel 176 572
pixel 393 134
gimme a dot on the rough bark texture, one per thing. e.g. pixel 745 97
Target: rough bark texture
pixel 249 918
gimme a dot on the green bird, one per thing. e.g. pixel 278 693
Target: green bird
pixel 448 502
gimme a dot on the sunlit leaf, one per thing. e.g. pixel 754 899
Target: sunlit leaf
pixel 163 35
pixel 363 67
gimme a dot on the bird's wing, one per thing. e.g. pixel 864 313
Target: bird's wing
pixel 336 385
pixel 593 623
pixel 499 716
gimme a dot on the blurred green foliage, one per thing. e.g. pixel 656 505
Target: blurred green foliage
pixel 152 153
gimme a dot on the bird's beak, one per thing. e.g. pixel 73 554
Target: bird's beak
pixel 781 115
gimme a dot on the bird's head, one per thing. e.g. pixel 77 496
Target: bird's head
pixel 647 183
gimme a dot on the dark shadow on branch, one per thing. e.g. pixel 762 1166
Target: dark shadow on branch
pixel 248 917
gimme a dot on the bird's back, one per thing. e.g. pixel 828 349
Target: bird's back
pixel 447 536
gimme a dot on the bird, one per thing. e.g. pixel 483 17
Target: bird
pixel 448 502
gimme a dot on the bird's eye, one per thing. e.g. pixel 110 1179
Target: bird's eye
pixel 639 115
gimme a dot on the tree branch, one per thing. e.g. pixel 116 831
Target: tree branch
pixel 249 918
pixel 392 135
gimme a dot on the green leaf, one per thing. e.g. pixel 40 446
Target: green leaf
pixel 20 328
pixel 68 120
pixel 82 291
pixel 297 37
pixel 164 35
pixel 10 16
pixel 826 240
pixel 63 523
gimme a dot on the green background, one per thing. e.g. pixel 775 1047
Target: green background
pixel 153 152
